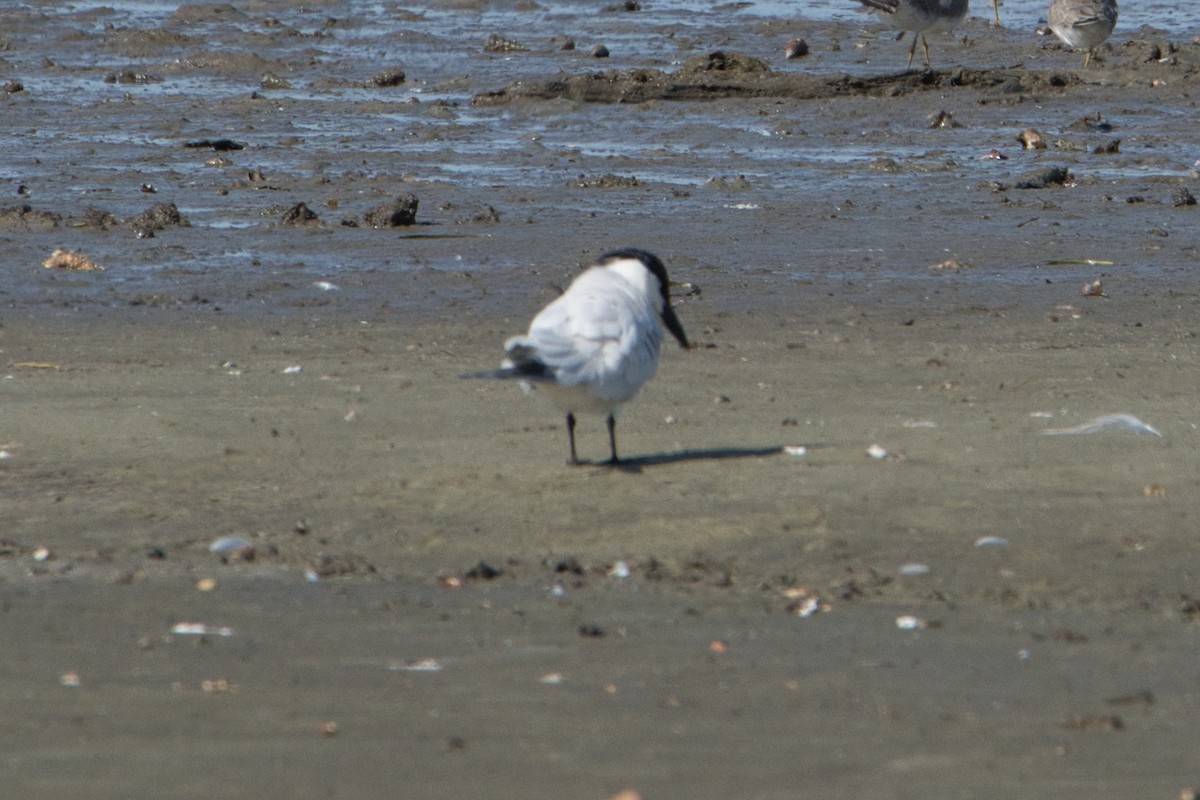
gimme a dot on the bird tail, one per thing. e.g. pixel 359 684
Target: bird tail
pixel 521 364
pixel 504 373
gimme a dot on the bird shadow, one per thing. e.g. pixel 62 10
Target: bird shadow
pixel 638 463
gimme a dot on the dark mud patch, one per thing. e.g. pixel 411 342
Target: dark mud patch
pixel 725 75
pixel 646 85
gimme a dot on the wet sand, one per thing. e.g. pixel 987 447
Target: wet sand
pixel 437 606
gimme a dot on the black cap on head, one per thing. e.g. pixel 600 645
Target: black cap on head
pixel 656 267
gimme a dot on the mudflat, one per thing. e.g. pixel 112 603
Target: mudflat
pixel 869 536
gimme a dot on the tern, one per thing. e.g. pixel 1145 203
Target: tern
pixel 594 347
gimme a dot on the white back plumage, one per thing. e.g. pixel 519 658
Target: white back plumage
pixel 601 339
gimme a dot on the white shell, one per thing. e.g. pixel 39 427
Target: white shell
pixel 230 544
pixel 908 622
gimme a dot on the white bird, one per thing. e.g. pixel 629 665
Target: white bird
pixel 593 348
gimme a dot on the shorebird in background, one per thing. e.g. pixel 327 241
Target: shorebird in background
pixel 593 348
pixel 918 16
pixel 1083 24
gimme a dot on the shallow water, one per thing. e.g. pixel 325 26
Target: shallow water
pixel 80 139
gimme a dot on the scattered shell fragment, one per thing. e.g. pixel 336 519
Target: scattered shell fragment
pixel 233 547
pixel 206 584
pixel 717 646
pixel 328 729
pixel 65 259
pixel 42 554
pixel 1094 289
pixel 950 265
pixel 795 450
pixel 627 794
pixel 805 602
pixel 326 286
pixel 1154 490
pixel 914 569
pixel 1116 422
pixel 875 451
pixel 200 629
pixel 217 686
pixel 907 622
pixel 293 370
pixel 991 541
pixel 619 570
pixel 796 48
pixel 551 679
pixel 70 679
pixel 424 665
pixel 807 607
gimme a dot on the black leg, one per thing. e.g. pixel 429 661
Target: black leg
pixel 571 437
pixel 612 440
